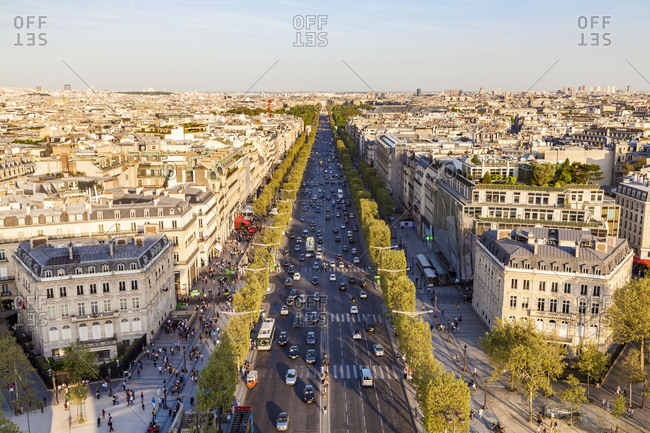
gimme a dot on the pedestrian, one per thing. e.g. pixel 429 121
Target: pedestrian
pixel 474 372
pixel 480 413
pixel 110 425
pixel 99 422
pixel 458 305
pixel 143 405
pixel 104 413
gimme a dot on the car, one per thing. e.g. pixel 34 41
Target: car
pixel 354 309
pixel 297 248
pixel 297 322
pixel 314 280
pixel 320 241
pixel 293 293
pixel 354 251
pixel 351 214
pixel 315 266
pixel 345 248
pixel 332 277
pixel 296 276
pixel 363 283
pixel 308 394
pixel 339 257
pixel 311 356
pixel 356 335
pixel 319 233
pixel 283 338
pixel 311 338
pixel 337 239
pixel 285 262
pixel 355 228
pixel 282 422
pixel 301 257
pixel 338 214
pixel 327 217
pixel 302 298
pixel 356 260
pixel 290 235
pixel 291 377
pixel 369 327
pixel 332 264
pixel 379 351
pixel 302 219
pixel 304 209
pixel 335 230
pixel 316 296
pixel 351 240
pixel 319 255
pixel 341 264
pixel 288 282
pixel 284 310
pixel 312 223
pixel 294 352
pixel 352 281
pixel 327 209
pixel 363 294
pixel 299 238
pixel 291 269
pixel 342 226
pixel 343 287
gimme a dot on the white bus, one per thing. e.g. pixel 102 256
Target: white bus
pixel 265 336
pixel 340 193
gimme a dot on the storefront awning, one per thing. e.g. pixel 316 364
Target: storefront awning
pixel 645 262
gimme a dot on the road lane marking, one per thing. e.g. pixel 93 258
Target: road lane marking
pixel 354 372
pixel 347 369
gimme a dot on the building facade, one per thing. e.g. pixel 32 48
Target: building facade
pixel 562 279
pixel 632 195
pixel 101 294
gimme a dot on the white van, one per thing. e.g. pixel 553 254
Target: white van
pixel 366 377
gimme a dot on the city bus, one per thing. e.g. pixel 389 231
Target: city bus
pixel 340 193
pixel 309 247
pixel 265 336
pixel 422 263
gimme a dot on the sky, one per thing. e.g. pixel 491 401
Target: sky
pixel 381 46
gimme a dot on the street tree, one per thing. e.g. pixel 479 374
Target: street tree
pixel 444 401
pixel 7 426
pixel 237 333
pixel 618 409
pixel 631 371
pixel 591 363
pixel 574 395
pixel 80 364
pixel 629 314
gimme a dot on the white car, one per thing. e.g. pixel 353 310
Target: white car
pixel 332 277
pixel 319 256
pixel 354 309
pixel 379 351
pixel 356 335
pixel 356 260
pixel 332 264
pixel 296 276
pixel 363 294
pixel 291 377
pixel 284 310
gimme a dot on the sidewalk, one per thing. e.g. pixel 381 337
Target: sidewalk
pixel 510 408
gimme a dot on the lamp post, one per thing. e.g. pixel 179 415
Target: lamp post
pixel 485 395
pixel 110 387
pixel 465 358
pixel 448 332
pixel 56 394
pixel 184 364
pixel 645 384
pixel 435 307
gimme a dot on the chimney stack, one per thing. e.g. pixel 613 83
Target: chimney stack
pixel 577 250
pixel 70 251
pixel 111 248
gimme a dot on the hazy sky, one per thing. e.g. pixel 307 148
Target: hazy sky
pixel 392 45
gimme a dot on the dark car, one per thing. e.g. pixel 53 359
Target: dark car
pixel 351 240
pixel 337 239
pixel 283 339
pixel 363 283
pixel 335 230
pixel 355 228
pixel 311 356
pixel 291 269
pixel 352 281
pixel 288 282
pixel 291 236
pixel 301 257
pixel 297 322
pixel 314 280
pixel 345 248
pixel 343 286
pixel 294 352
pixel 369 326
pixel 285 262
pixel 308 394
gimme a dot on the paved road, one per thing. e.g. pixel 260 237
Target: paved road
pixel 351 407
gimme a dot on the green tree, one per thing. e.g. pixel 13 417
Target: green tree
pixel 80 364
pixel 627 168
pixel 487 178
pixel 217 380
pixel 444 401
pixel 629 315
pixel 542 174
pixel 640 163
pixel 574 395
pixel 586 173
pixel 618 409
pixel 564 173
pixel 475 160
pixel 631 370
pixel 591 363
pixel 7 426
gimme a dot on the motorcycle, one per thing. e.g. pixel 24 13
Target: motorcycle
pixel 497 427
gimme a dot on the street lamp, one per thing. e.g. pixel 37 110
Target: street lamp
pixel 110 387
pixel 53 376
pixel 448 332
pixel 465 358
pixel 184 364
pixel 485 395
pixel 435 307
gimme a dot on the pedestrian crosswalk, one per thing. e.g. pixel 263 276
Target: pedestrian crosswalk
pixel 357 318
pixel 350 372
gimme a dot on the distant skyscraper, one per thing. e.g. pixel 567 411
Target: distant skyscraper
pixel 39 88
pixel 418 92
pixel 628 89
pixel 67 87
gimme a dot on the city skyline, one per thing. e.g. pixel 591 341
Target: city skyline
pixel 377 47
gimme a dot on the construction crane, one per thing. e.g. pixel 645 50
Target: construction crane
pixel 269 106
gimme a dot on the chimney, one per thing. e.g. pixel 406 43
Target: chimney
pixel 37 242
pixel 502 234
pixel 577 250
pixel 150 229
pixel 139 241
pixel 111 248
pixel 70 251
pixel 535 248
pixel 601 246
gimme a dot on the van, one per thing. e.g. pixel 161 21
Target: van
pixel 366 377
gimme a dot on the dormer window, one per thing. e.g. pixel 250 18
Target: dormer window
pixel 134 266
pixel 105 268
pixel 542 266
pixel 120 266
pixel 48 274
pixel 60 272
pixel 91 269
pixel 78 271
pixel 568 268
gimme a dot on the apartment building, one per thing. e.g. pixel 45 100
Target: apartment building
pixel 632 195
pixel 562 279
pixel 103 294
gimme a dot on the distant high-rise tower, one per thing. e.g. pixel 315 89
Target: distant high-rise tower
pixel 67 87
pixel 418 92
pixel 39 88
pixel 628 89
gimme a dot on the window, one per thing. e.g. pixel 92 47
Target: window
pixel 51 312
pixel 132 214
pixel 595 307
pixel 93 289
pixel 94 307
pixel 596 290
pixel 122 286
pixel 583 289
pixel 135 302
pixel 581 329
pixel 174 224
pixel 146 212
pixel 593 332
pixel 565 307
pixel 526 265
pixel 107 305
pixel 524 302
pixel 542 266
pixel 78 271
pixel 117 227
pixel 134 285
pixel 555 286
pixel 64 310
pixel 552 306
pixel 49 293
pixel 513 284
pixel 80 290
pixel 160 212
pixel 582 307
pixel 134 227
pixel 106 287
pixel 48 274
pixel 100 228
pixel 200 222
pixel 567 288
pixel 526 284
pixel 123 304
pixel 133 266
pixel 542 286
pixel 540 304
pixel 161 225
pixel 120 266
pixel 105 268
pixel 91 269
pixel 3 255
pixel 513 302
pixel 175 240
pixel 81 308
pixel 60 272
pixel 63 292
pixel 176 257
